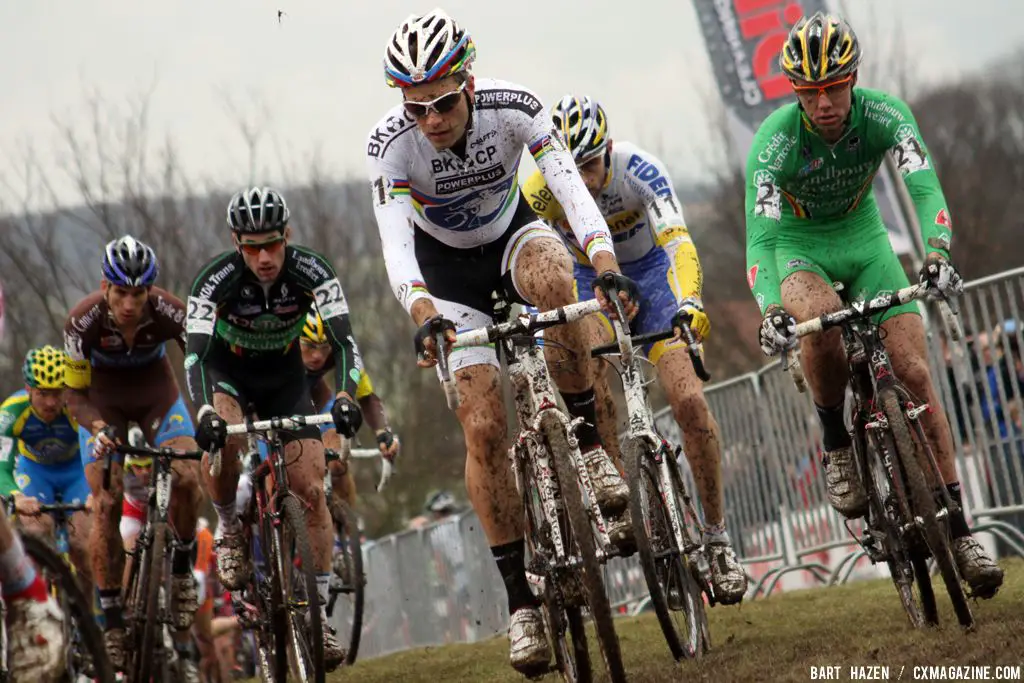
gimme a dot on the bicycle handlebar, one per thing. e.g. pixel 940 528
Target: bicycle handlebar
pixel 524 324
pixel 287 423
pixel 9 503
pixel 387 470
pixel 881 302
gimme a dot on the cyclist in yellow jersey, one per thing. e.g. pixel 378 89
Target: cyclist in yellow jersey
pixel 636 198
pixel 316 356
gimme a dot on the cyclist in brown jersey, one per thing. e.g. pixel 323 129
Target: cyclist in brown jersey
pixel 118 373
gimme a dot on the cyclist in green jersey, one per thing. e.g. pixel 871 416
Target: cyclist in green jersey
pixel 812 220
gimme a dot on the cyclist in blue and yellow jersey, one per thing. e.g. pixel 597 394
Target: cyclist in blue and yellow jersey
pixel 46 447
pixel 635 196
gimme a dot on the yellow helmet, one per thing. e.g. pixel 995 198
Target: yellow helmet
pixel 313 330
pixel 583 126
pixel 44 368
pixel 820 48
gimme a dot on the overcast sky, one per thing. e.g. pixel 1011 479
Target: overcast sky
pixel 318 73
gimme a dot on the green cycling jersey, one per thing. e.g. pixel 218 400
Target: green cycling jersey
pixel 815 198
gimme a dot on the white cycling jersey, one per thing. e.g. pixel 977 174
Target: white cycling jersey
pixel 468 202
pixel 637 201
pixel 643 213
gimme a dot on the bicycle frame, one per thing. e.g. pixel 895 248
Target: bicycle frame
pixel 535 401
pixel 871 372
pixel 270 504
pixel 641 428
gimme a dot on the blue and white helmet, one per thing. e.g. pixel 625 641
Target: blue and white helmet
pixel 128 262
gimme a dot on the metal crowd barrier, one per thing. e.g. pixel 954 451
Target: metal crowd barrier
pixel 439 584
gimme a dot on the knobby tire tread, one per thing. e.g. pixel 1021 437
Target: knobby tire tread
pixel 634 454
pixel 294 520
pixel 344 523
pixel 593 582
pixel 924 505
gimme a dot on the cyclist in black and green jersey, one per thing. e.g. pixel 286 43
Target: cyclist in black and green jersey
pixel 245 314
pixel 812 220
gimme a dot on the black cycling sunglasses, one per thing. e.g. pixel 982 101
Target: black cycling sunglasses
pixel 442 105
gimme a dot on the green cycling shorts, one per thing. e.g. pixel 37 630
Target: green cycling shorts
pixel 860 257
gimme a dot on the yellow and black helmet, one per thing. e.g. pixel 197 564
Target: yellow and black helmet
pixel 44 368
pixel 583 126
pixel 313 330
pixel 820 48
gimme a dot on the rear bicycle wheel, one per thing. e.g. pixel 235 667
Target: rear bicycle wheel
pixel 84 638
pixel 676 599
pixel 353 581
pixel 301 599
pixel 583 534
pixel 936 531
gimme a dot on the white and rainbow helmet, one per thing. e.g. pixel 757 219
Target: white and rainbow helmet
pixel 427 48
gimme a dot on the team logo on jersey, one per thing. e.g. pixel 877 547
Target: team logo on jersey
pixel 942 218
pixel 853 143
pixel 508 99
pixel 813 166
pixel 464 181
pixel 650 174
pixel 752 276
pixel 473 210
pixel 248 292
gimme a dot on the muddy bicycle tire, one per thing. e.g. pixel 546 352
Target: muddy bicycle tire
pixel 307 640
pixel 347 530
pixel 76 605
pixel 579 521
pixel 924 505
pixel 638 459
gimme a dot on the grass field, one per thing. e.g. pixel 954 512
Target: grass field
pixel 778 639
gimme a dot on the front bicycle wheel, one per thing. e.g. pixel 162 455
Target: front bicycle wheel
pixel 674 594
pixel 906 559
pixel 143 604
pixel 583 534
pixel 301 599
pixel 564 621
pixel 352 580
pixel 86 649
pixel 936 531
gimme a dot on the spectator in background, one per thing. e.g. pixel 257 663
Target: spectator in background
pixel 997 397
pixel 959 393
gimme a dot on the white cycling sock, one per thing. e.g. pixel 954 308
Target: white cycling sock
pixel 227 518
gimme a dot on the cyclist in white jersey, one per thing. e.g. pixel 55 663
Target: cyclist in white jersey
pixel 636 197
pixel 461 244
